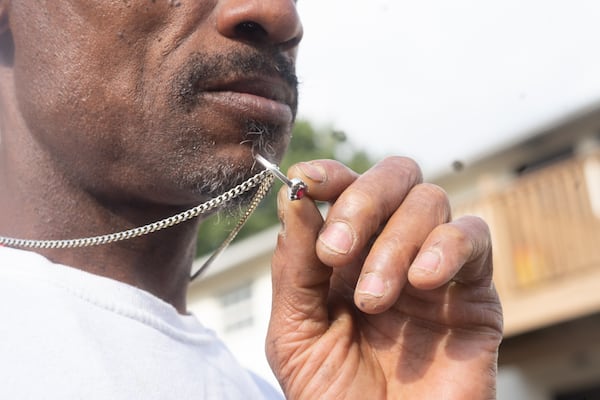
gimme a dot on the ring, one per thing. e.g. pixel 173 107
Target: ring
pixel 297 189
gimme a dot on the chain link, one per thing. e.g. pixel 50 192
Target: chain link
pixel 262 191
pixel 150 228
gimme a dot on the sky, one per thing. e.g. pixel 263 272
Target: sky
pixel 441 80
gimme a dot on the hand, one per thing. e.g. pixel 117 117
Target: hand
pixel 386 298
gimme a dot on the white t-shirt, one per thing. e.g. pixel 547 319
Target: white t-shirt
pixel 68 334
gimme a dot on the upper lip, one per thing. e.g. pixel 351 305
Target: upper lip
pixel 268 87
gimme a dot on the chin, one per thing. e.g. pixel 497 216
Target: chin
pixel 196 171
pixel 213 176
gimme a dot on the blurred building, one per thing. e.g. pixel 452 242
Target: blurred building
pixel 233 297
pixel 541 197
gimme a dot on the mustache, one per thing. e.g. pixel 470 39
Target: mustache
pixel 202 69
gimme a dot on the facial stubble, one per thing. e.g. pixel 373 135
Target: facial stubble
pixel 215 175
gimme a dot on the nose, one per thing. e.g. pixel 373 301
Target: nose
pixel 263 22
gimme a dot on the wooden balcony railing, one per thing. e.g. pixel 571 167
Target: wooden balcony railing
pixel 546 235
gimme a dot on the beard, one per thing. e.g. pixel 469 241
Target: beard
pixel 215 172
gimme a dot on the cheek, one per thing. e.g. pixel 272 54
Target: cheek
pixel 83 79
pixel 84 49
pixel 64 98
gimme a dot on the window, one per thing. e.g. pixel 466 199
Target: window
pixel 236 308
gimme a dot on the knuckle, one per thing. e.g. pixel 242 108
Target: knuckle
pixel 361 211
pixel 402 249
pixel 459 236
pixel 435 193
pixel 404 168
pixel 480 235
pixel 480 224
pixel 359 204
pixel 471 234
pixel 435 197
pixel 476 225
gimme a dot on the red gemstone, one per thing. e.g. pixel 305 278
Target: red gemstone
pixel 300 192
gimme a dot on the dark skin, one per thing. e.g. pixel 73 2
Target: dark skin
pixel 117 113
pixel 104 119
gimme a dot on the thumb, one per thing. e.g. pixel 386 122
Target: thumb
pixel 300 281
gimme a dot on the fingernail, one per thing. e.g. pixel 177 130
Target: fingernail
pixel 338 237
pixel 372 285
pixel 313 171
pixel 427 263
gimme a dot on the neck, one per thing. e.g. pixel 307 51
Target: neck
pixel 48 208
pixel 38 201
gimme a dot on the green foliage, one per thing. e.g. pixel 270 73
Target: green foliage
pixel 308 143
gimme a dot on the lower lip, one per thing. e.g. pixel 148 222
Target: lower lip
pixel 250 106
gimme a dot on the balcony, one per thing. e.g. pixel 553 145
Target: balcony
pixel 546 235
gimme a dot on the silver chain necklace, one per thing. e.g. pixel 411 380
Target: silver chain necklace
pixel 139 231
pixel 263 179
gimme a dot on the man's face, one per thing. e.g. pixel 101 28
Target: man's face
pixel 156 100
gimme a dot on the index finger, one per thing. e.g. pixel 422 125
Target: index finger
pixel 363 208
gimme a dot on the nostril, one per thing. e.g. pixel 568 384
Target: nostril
pixel 251 30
